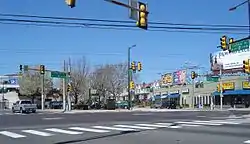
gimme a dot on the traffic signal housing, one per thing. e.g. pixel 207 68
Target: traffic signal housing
pixel 21 67
pixel 246 67
pixel 193 74
pixel 223 42
pixel 133 67
pixel 139 66
pixel 219 89
pixel 42 69
pixel 71 3
pixel 142 16
pixel 69 88
pixel 231 40
pixel 132 85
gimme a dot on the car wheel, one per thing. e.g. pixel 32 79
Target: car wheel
pixel 13 110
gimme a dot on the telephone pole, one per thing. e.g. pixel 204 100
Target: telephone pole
pixel 69 82
pixel 42 90
pixel 64 87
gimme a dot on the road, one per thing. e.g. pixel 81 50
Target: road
pixel 125 127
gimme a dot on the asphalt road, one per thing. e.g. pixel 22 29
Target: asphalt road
pixel 52 128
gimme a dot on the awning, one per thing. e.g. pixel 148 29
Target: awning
pixel 164 96
pixel 176 95
pixel 233 92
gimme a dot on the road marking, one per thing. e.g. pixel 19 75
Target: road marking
pixel 89 129
pixel 166 124
pixel 11 134
pixel 134 127
pixel 52 118
pixel 64 131
pixel 114 128
pixel 141 114
pixel 37 132
pixel 200 123
pixel 201 116
pixel 247 142
pixel 174 127
pixel 190 125
pixel 224 122
pixel 152 125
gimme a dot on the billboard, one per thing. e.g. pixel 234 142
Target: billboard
pixel 179 77
pixel 230 62
pixel 167 79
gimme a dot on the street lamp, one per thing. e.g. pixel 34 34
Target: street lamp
pixel 129 75
pixel 235 7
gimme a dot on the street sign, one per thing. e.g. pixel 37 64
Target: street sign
pixel 57 74
pixel 213 79
pixel 239 45
pixel 133 13
pixel 26 68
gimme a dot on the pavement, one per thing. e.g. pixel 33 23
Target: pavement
pixel 123 127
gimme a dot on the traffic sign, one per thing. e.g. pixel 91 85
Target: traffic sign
pixel 213 79
pixel 239 45
pixel 57 74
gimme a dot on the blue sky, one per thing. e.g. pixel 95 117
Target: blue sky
pixel 158 51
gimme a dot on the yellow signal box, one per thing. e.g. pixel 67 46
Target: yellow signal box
pixel 246 67
pixel 223 42
pixel 132 85
pixel 143 16
pixel 133 67
pixel 139 66
pixel 71 3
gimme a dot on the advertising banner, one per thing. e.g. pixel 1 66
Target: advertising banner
pixel 245 85
pixel 228 60
pixel 179 77
pixel 167 79
pixel 227 85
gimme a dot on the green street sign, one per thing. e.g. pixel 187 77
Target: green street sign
pixel 57 74
pixel 239 45
pixel 213 79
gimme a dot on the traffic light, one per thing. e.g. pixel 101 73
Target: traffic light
pixel 218 88
pixel 246 67
pixel 193 75
pixel 69 88
pixel 139 66
pixel 21 67
pixel 133 67
pixel 42 69
pixel 71 3
pixel 132 85
pixel 223 42
pixel 231 40
pixel 143 16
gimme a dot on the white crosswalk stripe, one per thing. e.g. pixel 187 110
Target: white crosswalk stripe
pixel 199 123
pixel 247 142
pixel 35 132
pixel 166 124
pixel 153 125
pixel 11 134
pixel 64 131
pixel 114 128
pixel 135 127
pixel 223 122
pixel 89 129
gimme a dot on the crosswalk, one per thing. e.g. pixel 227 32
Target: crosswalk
pixel 10 113
pixel 79 130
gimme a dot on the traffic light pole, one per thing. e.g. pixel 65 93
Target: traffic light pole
pixel 42 91
pixel 221 89
pixel 64 88
pixel 193 85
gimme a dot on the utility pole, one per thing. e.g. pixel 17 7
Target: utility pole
pixel 221 88
pixel 64 87
pixel 193 86
pixel 69 82
pixel 129 76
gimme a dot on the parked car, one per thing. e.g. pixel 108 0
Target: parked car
pixel 24 106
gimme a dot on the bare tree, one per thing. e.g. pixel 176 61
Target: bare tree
pixel 30 84
pixel 80 79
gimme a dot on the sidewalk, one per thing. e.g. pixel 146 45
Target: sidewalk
pixel 125 110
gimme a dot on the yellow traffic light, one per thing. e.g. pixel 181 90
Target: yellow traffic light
pixel 218 88
pixel 69 88
pixel 193 75
pixel 132 85
pixel 139 66
pixel 71 3
pixel 246 67
pixel 143 16
pixel 223 42
pixel 133 66
pixel 42 69
pixel 231 40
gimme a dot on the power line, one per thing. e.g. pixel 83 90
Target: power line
pixel 118 21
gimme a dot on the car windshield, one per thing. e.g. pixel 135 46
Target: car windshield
pixel 26 102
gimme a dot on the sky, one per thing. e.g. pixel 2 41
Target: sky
pixel 159 52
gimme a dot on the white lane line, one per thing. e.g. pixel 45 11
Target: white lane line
pixel 247 142
pixel 134 127
pixel 64 131
pixel 37 133
pixel 89 129
pixel 52 118
pixel 200 123
pixel 174 127
pixel 224 122
pixel 190 125
pixel 11 134
pixel 114 128
pixel 166 124
pixel 152 125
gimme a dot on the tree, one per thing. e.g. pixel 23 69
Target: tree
pixel 79 77
pixel 30 84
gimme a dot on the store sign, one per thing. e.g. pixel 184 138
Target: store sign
pixel 174 92
pixel 186 91
pixel 245 85
pixel 227 85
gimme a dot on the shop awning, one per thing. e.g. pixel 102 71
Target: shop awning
pixel 233 92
